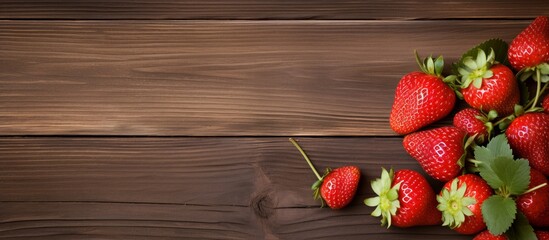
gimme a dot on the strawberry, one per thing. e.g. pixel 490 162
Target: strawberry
pixel 487 85
pixel 528 136
pixel 440 151
pixel 337 187
pixel 405 199
pixel 542 235
pixel 486 235
pixel 475 123
pixel 535 204
pixel 421 98
pixel 460 202
pixel 531 46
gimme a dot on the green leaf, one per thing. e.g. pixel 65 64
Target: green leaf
pixel 498 213
pixel 521 229
pixel 500 146
pixel 515 174
pixel 498 45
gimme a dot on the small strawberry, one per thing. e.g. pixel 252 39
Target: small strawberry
pixel 337 187
pixel 531 46
pixel 535 204
pixel 421 98
pixel 528 136
pixel 487 85
pixel 542 235
pixel 405 199
pixel 460 202
pixel 440 151
pixel 486 235
pixel 475 123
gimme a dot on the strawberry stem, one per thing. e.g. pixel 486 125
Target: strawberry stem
pixel 535 188
pixel 306 158
pixel 538 88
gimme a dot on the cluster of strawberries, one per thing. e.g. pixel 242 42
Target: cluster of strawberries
pixel 487 191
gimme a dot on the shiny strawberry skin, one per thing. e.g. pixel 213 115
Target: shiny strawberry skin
pixel 531 46
pixel 486 235
pixel 535 205
pixel 438 151
pixel 467 121
pixel 528 136
pixel 478 189
pixel 417 201
pixel 339 186
pixel 420 99
pixel 542 235
pixel 500 92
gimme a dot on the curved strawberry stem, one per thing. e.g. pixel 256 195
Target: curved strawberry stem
pixel 538 89
pixel 306 158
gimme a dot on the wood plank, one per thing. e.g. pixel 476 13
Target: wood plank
pixel 264 9
pixel 163 188
pixel 216 78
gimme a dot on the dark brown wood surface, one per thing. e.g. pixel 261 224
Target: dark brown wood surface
pixel 170 119
pixel 220 78
pixel 268 9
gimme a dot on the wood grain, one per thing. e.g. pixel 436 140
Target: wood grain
pixel 268 9
pixel 216 78
pixel 208 188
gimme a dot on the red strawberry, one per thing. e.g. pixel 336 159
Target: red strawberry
pixel 531 46
pixel 405 199
pixel 421 98
pixel 545 103
pixel 474 122
pixel 440 151
pixel 337 187
pixel 528 136
pixel 487 85
pixel 535 204
pixel 460 201
pixel 486 235
pixel 542 235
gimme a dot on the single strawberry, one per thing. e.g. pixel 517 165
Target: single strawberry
pixel 530 47
pixel 404 199
pixel 440 151
pixel 535 204
pixel 336 187
pixel 486 235
pixel 542 235
pixel 475 123
pixel 460 202
pixel 528 136
pixel 421 98
pixel 487 85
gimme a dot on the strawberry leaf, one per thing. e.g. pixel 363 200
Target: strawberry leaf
pixel 500 146
pixel 514 174
pixel 498 213
pixel 500 49
pixel 521 229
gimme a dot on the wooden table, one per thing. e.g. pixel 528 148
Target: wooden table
pixel 146 120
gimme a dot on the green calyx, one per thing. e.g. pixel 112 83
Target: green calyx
pixel 474 70
pixel 486 119
pixel 454 205
pixel 430 66
pixel 316 187
pixel 386 202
